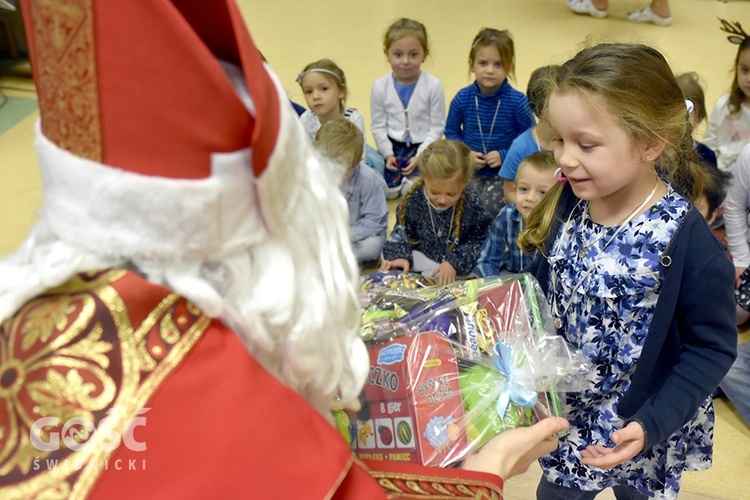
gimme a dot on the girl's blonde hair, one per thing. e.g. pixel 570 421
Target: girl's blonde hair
pixel 614 75
pixel 443 159
pixel 406 27
pixel 490 37
pixel 331 72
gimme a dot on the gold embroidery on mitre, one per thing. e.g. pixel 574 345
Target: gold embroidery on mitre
pixel 65 74
pixel 78 357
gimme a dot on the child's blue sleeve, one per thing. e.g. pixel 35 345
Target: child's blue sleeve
pixel 455 121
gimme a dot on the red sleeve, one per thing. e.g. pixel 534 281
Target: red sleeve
pixel 222 427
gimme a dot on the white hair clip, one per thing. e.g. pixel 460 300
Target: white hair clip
pixel 319 70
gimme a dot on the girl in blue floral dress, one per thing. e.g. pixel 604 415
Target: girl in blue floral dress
pixel 634 276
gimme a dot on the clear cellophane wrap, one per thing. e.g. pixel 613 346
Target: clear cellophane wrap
pixel 452 366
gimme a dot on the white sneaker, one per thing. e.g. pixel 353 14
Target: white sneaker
pixel 406 185
pixel 646 15
pixel 394 192
pixel 586 7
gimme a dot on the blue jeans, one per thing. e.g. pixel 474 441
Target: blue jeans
pixel 550 491
pixel 374 159
pixel 403 152
pixel 736 383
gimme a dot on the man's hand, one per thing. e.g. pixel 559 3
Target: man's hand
pixel 511 452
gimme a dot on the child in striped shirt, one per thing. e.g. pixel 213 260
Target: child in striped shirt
pixel 488 114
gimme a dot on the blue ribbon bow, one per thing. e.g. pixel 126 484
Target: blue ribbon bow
pixel 511 391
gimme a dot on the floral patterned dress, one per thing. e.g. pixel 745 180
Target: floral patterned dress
pixel 614 289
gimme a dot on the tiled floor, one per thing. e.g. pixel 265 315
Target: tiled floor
pixel 292 34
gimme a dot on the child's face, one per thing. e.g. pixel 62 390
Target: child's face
pixel 489 69
pixel 323 97
pixel 444 193
pixel 531 184
pixel 743 72
pixel 596 154
pixel 406 56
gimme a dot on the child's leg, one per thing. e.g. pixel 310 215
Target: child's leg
pixel 551 491
pixel 368 249
pixel 736 383
pixel 628 493
pixel 374 159
pixel 405 152
pixel 423 264
pixel 392 179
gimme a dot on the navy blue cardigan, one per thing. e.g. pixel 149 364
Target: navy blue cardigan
pixel 692 339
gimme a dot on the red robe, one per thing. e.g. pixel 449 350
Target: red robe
pixel 218 425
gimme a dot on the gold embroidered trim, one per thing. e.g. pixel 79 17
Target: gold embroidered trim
pixel 74 353
pixel 66 74
pixel 464 487
pixel 442 480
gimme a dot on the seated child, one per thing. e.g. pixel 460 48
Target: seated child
pixel 441 222
pixel 323 84
pixel 537 138
pixel 500 253
pixel 363 188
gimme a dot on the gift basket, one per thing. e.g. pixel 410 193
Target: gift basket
pixel 452 366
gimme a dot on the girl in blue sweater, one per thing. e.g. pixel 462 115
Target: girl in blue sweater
pixel 488 114
pixel 634 276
